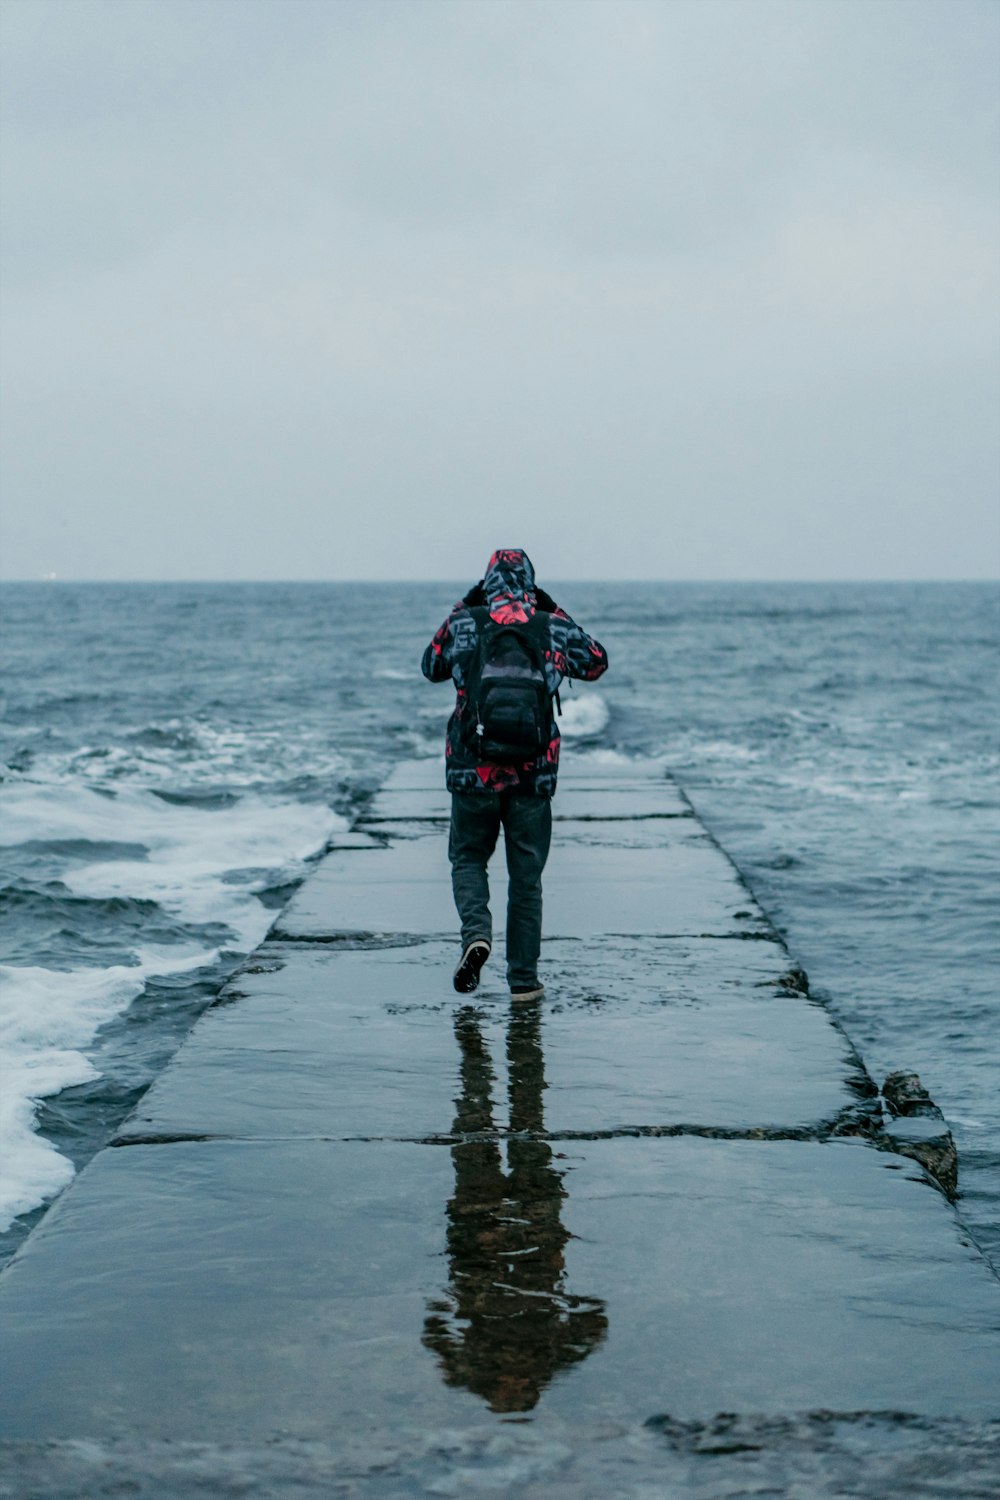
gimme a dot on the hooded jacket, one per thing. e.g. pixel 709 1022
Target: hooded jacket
pixel 509 592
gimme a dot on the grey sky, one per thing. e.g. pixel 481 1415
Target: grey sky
pixel 654 288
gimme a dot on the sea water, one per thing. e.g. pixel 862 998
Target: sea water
pixel 172 757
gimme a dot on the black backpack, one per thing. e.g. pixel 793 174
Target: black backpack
pixel 508 716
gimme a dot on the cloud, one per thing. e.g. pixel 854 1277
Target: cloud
pixel 385 270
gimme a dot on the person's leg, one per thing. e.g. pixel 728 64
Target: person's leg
pixel 527 822
pixel 475 825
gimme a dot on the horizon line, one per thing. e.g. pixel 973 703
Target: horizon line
pixel 53 578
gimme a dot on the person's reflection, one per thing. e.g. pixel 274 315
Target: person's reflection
pixel 506 1324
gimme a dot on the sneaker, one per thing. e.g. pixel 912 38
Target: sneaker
pixel 467 974
pixel 536 994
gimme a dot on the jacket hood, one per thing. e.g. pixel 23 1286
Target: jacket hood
pixel 509 586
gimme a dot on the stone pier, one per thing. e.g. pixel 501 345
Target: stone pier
pixel 365 1236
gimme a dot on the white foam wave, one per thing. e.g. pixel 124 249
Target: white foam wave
pixel 719 750
pixel 198 752
pixel 192 854
pixel 201 866
pixel 584 716
pixel 602 755
pixel 45 1016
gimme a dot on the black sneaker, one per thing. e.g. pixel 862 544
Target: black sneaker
pixel 467 974
pixel 537 992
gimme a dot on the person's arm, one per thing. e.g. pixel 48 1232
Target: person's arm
pixel 581 656
pixel 436 661
pixel 439 657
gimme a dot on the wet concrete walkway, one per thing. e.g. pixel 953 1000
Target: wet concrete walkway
pixel 357 1206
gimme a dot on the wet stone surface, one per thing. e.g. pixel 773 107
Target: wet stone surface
pixel 374 1043
pixel 416 790
pixel 667 879
pixel 365 1237
pixel 805 1456
pixel 276 1287
pixel 428 775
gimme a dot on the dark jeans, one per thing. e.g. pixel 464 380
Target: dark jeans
pixel 476 819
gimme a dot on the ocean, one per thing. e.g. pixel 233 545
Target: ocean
pixel 173 756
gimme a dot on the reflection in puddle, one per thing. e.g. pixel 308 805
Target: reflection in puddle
pixel 506 1324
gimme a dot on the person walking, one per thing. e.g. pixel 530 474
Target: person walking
pixel 506 646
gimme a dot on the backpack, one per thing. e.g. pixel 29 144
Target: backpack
pixel 509 714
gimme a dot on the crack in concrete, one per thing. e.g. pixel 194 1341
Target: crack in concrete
pixel 360 940
pixel 412 939
pixel 443 818
pixel 862 1121
pixel 837 1129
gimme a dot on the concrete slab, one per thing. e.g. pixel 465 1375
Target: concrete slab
pixel 403 888
pixel 332 1043
pixel 671 880
pixel 634 1038
pixel 312 1281
pixel 297 1288
pixel 435 804
pixel 630 833
pixel 369 1090
pixel 587 788
pixel 658 799
pixel 627 833
pixel 354 838
pixel 574 799
pixel 674 970
pixel 426 775
pixel 349 1044
pixel 685 886
pixel 588 770
pixel 605 768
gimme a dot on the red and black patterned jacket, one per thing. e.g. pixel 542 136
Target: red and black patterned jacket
pixel 509 592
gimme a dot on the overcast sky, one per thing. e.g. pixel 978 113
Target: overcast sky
pixel 359 288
